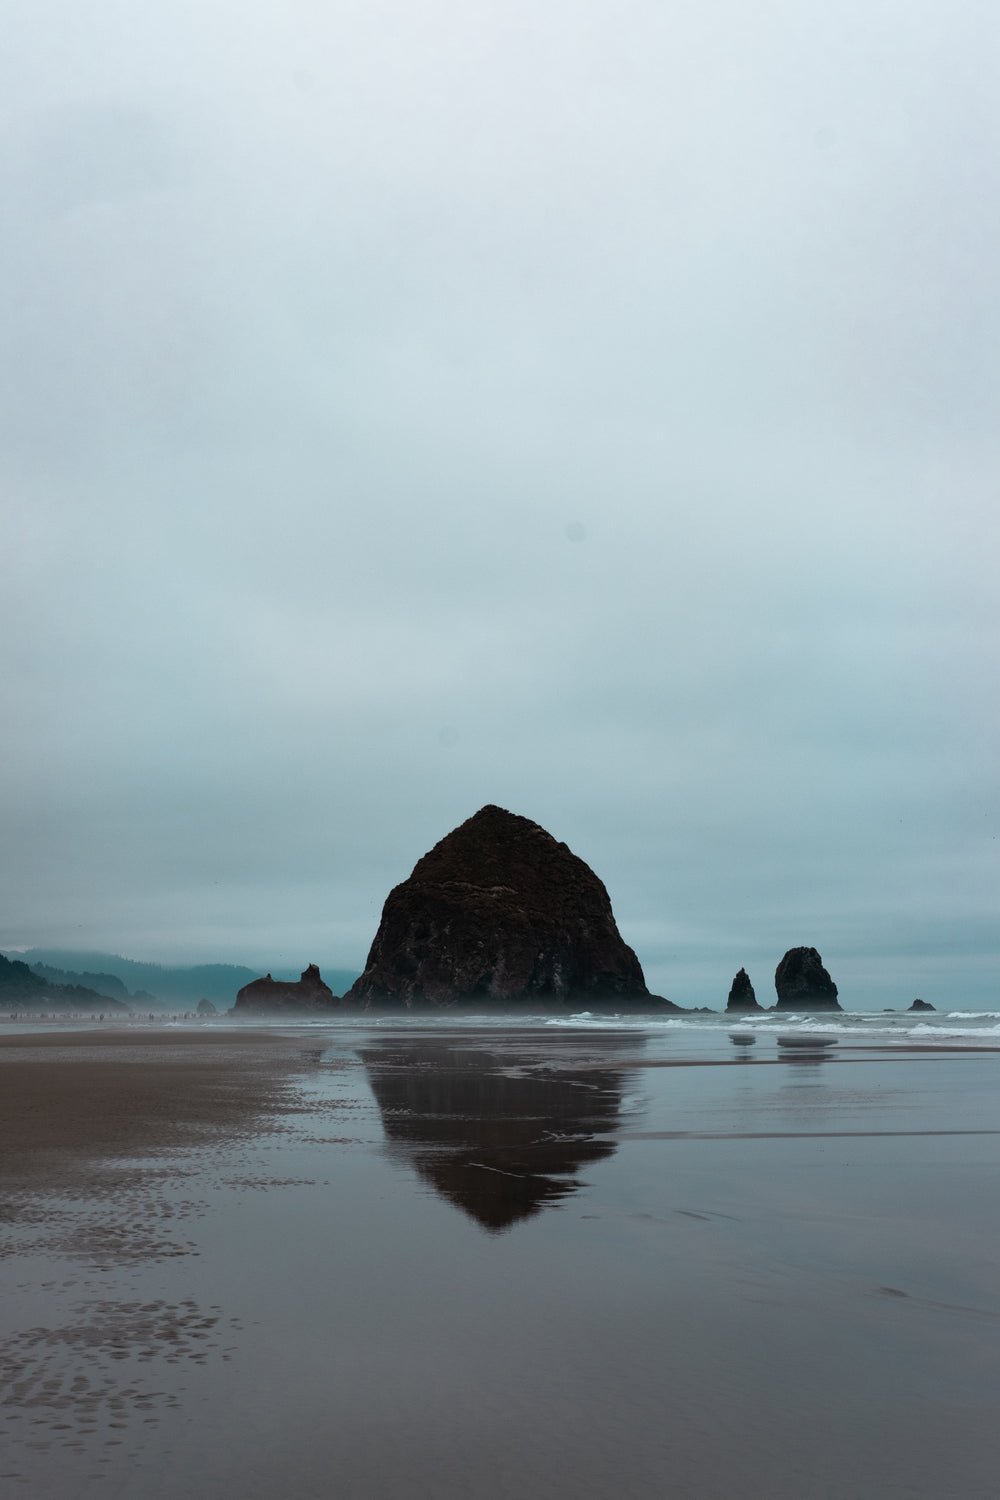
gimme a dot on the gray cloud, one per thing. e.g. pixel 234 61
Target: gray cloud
pixel 595 413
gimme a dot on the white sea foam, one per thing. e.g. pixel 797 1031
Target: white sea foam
pixel 924 1030
pixel 897 1026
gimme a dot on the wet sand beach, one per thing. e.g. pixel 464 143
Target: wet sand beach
pixel 487 1261
pixel 73 1096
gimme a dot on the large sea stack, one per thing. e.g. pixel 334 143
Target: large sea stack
pixel 499 914
pixel 268 995
pixel 741 995
pixel 802 982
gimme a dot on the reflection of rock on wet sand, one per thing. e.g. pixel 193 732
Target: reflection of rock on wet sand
pixel 499 1130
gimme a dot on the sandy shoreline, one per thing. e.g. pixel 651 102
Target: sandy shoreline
pixel 76 1100
pixel 73 1100
pixel 137 1036
pixel 356 1262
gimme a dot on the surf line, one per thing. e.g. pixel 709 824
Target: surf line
pixel 781 1135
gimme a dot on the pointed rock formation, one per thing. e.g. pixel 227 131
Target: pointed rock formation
pixel 921 1005
pixel 499 914
pixel 267 994
pixel 741 996
pixel 802 982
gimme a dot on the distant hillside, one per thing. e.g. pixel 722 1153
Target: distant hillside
pixel 157 986
pixel 21 989
pixel 104 984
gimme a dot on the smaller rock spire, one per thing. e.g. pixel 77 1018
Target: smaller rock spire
pixel 741 996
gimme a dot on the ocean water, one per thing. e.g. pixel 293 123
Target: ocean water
pixel 549 1257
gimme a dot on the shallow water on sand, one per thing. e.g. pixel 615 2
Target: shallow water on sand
pixel 487 1260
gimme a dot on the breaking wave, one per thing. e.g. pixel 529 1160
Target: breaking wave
pixel 895 1026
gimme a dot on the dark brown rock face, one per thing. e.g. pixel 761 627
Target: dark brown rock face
pixel 499 913
pixel 921 1005
pixel 741 996
pixel 267 994
pixel 802 982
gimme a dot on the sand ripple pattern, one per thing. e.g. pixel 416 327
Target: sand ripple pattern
pixel 82 1385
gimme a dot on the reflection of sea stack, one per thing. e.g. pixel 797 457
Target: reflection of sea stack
pixel 499 913
pixel 267 994
pixel 498 1133
pixel 741 996
pixel 802 982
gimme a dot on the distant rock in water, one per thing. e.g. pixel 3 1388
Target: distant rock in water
pixel 501 914
pixel 267 994
pixel 921 1005
pixel 206 1008
pixel 802 982
pixel 741 996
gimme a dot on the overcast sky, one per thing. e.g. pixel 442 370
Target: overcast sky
pixel 589 408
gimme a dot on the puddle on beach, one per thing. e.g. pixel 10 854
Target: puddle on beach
pixel 460 1262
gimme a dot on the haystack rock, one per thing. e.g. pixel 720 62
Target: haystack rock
pixel 921 1005
pixel 267 994
pixel 802 982
pixel 500 914
pixel 741 996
